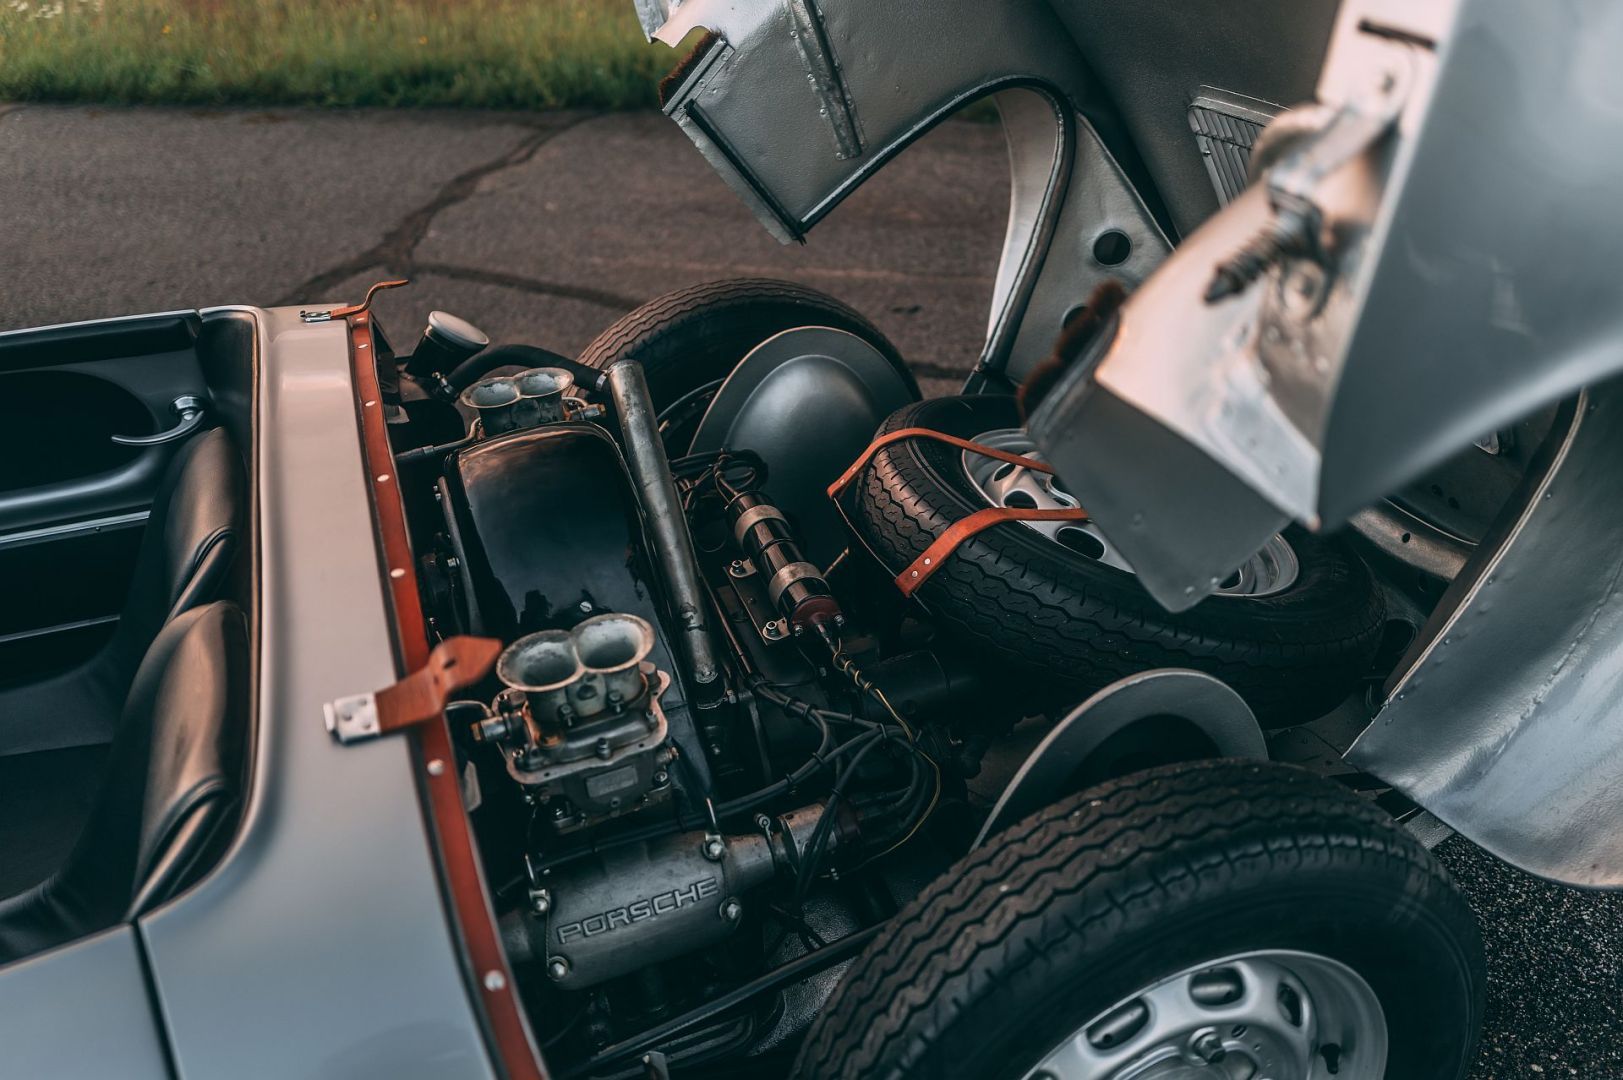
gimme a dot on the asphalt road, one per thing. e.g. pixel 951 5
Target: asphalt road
pixel 544 229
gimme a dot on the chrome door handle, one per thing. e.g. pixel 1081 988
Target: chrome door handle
pixel 190 411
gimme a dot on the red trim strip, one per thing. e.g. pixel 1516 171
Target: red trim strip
pixel 492 981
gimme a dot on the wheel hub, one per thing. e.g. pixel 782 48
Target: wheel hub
pixel 1274 1015
pixel 1271 570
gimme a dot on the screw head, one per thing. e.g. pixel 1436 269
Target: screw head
pixel 731 910
pixel 557 968
pixel 585 607
pixel 436 767
pixel 714 848
pixel 1207 1045
pixel 540 901
pixel 495 980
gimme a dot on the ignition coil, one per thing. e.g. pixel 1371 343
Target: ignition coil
pixel 794 586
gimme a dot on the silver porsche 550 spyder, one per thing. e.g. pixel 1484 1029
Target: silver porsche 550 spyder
pixel 710 704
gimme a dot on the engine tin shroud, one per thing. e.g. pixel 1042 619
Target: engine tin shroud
pixel 548 532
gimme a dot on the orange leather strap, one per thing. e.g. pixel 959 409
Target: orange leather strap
pixel 838 487
pixel 919 571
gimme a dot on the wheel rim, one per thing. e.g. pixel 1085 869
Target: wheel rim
pixel 1271 570
pixel 1271 1015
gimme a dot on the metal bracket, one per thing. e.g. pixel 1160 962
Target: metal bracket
pixel 455 663
pixel 1293 182
pixel 352 309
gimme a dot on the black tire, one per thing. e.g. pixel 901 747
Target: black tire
pixel 697 335
pixel 1103 894
pixel 1016 601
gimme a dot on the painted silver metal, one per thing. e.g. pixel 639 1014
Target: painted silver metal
pixel 1504 722
pixel 1204 702
pixel 742 96
pixel 348 817
pixel 808 401
pixel 47 1003
pixel 1272 569
pixel 188 410
pixel 667 524
pixel 1265 1014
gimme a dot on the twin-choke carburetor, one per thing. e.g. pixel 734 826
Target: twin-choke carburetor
pixel 579 723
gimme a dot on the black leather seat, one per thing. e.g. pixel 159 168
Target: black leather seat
pixel 195 527
pixel 172 787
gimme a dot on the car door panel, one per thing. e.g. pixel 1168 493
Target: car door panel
pixel 74 503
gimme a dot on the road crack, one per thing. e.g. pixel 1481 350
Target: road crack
pixel 396 253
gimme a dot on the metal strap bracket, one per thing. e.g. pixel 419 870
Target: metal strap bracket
pixel 455 663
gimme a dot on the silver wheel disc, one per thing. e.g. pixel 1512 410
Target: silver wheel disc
pixel 1271 570
pixel 1270 1015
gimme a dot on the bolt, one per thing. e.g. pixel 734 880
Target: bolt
pixel 714 848
pixel 557 968
pixel 1206 1045
pixel 585 607
pixel 540 901
pixel 495 980
pixel 436 767
pixel 731 909
pixel 661 776
pixel 558 811
pixel 772 630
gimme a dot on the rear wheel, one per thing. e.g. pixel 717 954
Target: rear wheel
pixel 1218 920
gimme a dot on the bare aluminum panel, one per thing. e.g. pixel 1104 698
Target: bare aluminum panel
pixel 1508 725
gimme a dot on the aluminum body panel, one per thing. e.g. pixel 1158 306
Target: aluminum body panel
pixel 81 1010
pixel 798 103
pixel 1461 286
pixel 327 907
pixel 1506 725
pixel 1244 381
pixel 1207 704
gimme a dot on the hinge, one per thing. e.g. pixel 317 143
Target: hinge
pixel 455 663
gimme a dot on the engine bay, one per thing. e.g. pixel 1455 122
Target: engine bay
pixel 702 755
pixel 724 741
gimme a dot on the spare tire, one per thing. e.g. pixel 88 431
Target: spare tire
pixel 689 341
pixel 1293 631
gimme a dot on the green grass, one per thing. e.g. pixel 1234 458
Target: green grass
pixel 527 54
